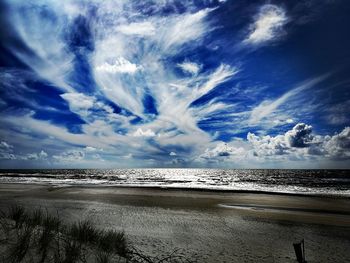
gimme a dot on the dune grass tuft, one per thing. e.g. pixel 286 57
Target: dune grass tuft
pixel 113 242
pixel 83 232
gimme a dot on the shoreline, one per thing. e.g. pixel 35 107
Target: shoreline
pixel 173 168
pixel 333 210
pixel 181 189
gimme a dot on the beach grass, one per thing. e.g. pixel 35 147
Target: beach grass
pixel 39 236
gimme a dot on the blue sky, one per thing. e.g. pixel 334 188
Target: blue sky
pixel 240 84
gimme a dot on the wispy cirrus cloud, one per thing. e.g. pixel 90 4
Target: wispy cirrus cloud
pixel 268 107
pixel 267 26
pixel 137 28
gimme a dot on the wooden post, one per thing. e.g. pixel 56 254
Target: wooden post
pixel 303 250
pixel 298 252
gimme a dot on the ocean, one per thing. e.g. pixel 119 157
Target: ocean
pixel 325 182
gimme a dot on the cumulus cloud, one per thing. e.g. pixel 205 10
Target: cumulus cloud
pixel 268 24
pixel 190 67
pixel 69 156
pixel 267 145
pixel 90 149
pixel 6 150
pixel 300 141
pixel 279 122
pixel 120 65
pixel 143 133
pixel 300 135
pixel 7 156
pixel 42 155
pixel 31 156
pixel 172 154
pixel 222 151
pixel 297 144
pixel 338 145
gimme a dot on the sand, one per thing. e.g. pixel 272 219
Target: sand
pixel 210 226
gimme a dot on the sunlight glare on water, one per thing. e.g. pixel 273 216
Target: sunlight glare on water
pixel 290 181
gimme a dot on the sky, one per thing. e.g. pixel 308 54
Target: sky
pixel 163 83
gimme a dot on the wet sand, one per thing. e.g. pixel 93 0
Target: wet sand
pixel 211 226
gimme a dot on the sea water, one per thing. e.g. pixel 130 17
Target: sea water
pixel 326 182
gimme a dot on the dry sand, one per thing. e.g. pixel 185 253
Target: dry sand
pixel 210 226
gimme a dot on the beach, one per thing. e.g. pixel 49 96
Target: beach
pixel 210 226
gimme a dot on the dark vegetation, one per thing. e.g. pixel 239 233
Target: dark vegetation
pixel 40 237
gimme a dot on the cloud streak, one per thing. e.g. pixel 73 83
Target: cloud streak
pixel 268 25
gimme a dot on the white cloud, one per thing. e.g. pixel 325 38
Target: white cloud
pixel 338 145
pixel 268 24
pixel 121 65
pixel 128 156
pixel 220 75
pixel 189 67
pixel 34 156
pixel 184 28
pixel 45 128
pixel 172 154
pixel 267 145
pixel 31 156
pixel 299 136
pixel 7 156
pixel 301 143
pixel 43 155
pixel 278 122
pixel 69 156
pixel 6 151
pixel 140 28
pixel 172 32
pixel 52 60
pixel 90 149
pixel 79 103
pixel 5 146
pixel 294 140
pixel 222 152
pixel 90 109
pixel 141 133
